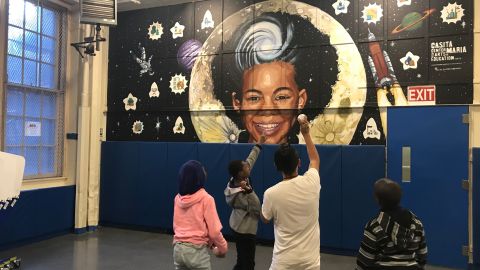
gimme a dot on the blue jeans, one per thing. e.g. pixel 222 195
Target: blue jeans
pixel 187 256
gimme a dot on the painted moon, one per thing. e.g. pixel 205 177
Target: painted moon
pixel 349 91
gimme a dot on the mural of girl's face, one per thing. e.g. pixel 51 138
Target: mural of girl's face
pixel 270 101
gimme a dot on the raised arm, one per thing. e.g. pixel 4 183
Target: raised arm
pixel 311 149
pixel 252 157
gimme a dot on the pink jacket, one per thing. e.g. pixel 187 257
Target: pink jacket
pixel 195 220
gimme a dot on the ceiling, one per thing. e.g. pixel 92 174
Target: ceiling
pixel 124 5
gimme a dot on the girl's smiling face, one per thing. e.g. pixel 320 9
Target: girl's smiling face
pixel 270 101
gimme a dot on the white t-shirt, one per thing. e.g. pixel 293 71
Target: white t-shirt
pixel 294 206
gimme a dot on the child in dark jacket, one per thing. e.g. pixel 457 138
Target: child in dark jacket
pixel 395 239
pixel 196 223
pixel 246 206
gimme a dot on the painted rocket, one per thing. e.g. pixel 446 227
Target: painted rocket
pixel 385 79
pixel 380 64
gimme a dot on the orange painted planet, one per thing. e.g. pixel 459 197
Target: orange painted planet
pixel 412 21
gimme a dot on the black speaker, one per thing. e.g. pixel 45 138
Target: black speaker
pixel 102 12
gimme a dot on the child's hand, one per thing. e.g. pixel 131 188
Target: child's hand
pixel 304 125
pixel 245 186
pixel 217 253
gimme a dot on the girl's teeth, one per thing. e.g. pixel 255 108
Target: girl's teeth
pixel 268 126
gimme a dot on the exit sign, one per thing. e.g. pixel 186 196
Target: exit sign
pixel 421 95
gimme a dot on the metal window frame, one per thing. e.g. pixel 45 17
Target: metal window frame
pixel 58 90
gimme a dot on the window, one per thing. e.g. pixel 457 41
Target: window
pixel 34 90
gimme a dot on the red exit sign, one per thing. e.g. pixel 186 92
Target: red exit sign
pixel 421 95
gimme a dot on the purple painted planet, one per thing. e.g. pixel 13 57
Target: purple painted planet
pixel 188 52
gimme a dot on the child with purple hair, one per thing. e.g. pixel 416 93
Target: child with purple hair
pixel 196 224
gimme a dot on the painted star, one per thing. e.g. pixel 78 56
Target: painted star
pixel 410 61
pixel 341 6
pixel 177 30
pixel 130 102
pixel 158 125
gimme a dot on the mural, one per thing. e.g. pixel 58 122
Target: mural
pixel 230 71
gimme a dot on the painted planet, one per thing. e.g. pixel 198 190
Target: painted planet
pixel 412 21
pixel 188 52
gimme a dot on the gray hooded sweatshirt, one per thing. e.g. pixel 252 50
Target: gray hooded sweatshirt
pixel 246 206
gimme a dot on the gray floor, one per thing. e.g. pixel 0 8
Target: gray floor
pixel 109 249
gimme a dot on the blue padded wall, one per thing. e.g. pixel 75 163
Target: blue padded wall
pixel 155 192
pixel 139 183
pixel 358 177
pixel 476 205
pixel 38 214
pixel 120 186
pixel 215 159
pixel 331 196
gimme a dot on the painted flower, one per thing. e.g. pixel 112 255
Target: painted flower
pixel 231 131
pixel 327 132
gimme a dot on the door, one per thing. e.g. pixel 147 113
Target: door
pixel 438 141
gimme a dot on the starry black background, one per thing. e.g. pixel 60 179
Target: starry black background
pixel 159 114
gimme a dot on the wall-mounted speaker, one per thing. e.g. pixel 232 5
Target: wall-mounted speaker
pixel 102 12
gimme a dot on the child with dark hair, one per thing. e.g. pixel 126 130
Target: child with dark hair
pixel 240 196
pixel 196 224
pixel 286 159
pixel 395 239
pixel 293 205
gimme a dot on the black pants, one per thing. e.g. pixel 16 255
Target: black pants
pixel 246 244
